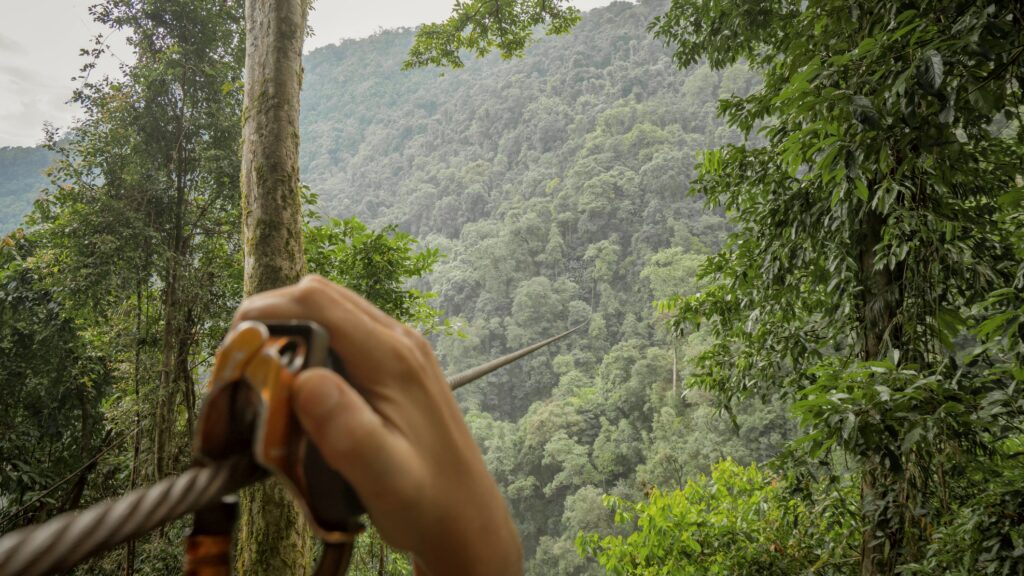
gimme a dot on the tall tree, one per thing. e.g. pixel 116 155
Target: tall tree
pixel 272 540
pixel 137 240
pixel 868 228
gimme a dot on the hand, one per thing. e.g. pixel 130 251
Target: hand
pixel 402 443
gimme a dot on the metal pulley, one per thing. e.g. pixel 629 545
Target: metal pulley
pixel 248 409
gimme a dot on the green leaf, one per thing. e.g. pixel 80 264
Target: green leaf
pixel 930 71
pixel 911 438
pixel 866 45
pixel 947 114
pixel 864 112
pixel 861 189
pixel 1014 199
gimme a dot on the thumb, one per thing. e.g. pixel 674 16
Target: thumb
pixel 351 436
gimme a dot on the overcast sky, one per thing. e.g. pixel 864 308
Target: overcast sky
pixel 40 40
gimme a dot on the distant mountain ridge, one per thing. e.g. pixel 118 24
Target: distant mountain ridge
pixel 372 134
pixel 597 129
pixel 21 179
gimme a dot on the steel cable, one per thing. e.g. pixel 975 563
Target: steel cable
pixel 65 540
pixel 463 378
pixel 70 538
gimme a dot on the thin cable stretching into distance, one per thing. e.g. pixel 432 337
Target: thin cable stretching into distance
pixel 463 378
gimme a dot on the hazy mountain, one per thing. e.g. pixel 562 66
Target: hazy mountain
pixel 21 178
pixel 556 184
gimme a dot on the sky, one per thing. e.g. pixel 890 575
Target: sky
pixel 40 42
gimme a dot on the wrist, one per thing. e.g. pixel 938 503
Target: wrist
pixel 474 542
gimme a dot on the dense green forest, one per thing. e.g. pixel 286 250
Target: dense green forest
pixel 794 234
pixel 556 186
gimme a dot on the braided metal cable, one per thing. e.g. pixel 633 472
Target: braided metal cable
pixel 62 542
pixel 70 538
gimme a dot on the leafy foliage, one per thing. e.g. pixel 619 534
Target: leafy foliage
pixel 115 298
pixel 556 186
pixel 869 272
pixel 735 521
pixel 869 227
pixel 376 264
pixel 480 26
pixel 54 384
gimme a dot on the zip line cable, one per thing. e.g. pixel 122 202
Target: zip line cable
pixel 463 378
pixel 66 540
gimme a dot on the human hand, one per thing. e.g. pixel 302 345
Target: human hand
pixel 401 443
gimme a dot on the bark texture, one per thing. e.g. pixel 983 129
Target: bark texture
pixel 271 539
pixel 881 300
pixel 271 200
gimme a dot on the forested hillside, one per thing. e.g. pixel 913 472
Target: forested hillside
pixel 557 187
pixel 21 179
pixel 792 238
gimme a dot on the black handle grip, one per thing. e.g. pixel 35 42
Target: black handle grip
pixel 332 501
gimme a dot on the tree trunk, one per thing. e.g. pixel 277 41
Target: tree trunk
pixel 170 344
pixel 170 348
pixel 129 554
pixel 166 390
pixel 675 371
pixel 183 369
pixel 882 537
pixel 271 200
pixel 73 499
pixel 271 535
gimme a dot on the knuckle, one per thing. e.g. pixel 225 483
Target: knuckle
pixel 310 289
pixel 410 365
pixel 418 342
pixel 417 353
pixel 314 280
pixel 407 365
pixel 241 311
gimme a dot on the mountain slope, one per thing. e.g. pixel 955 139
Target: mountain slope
pixel 373 134
pixel 21 178
pixel 557 186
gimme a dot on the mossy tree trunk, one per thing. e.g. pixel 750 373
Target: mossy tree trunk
pixel 271 200
pixel 271 538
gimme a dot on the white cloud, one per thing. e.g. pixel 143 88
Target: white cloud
pixel 9 46
pixel 39 44
pixel 40 40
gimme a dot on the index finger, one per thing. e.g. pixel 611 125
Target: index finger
pixel 362 341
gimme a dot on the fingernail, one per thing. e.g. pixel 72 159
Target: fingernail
pixel 316 393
